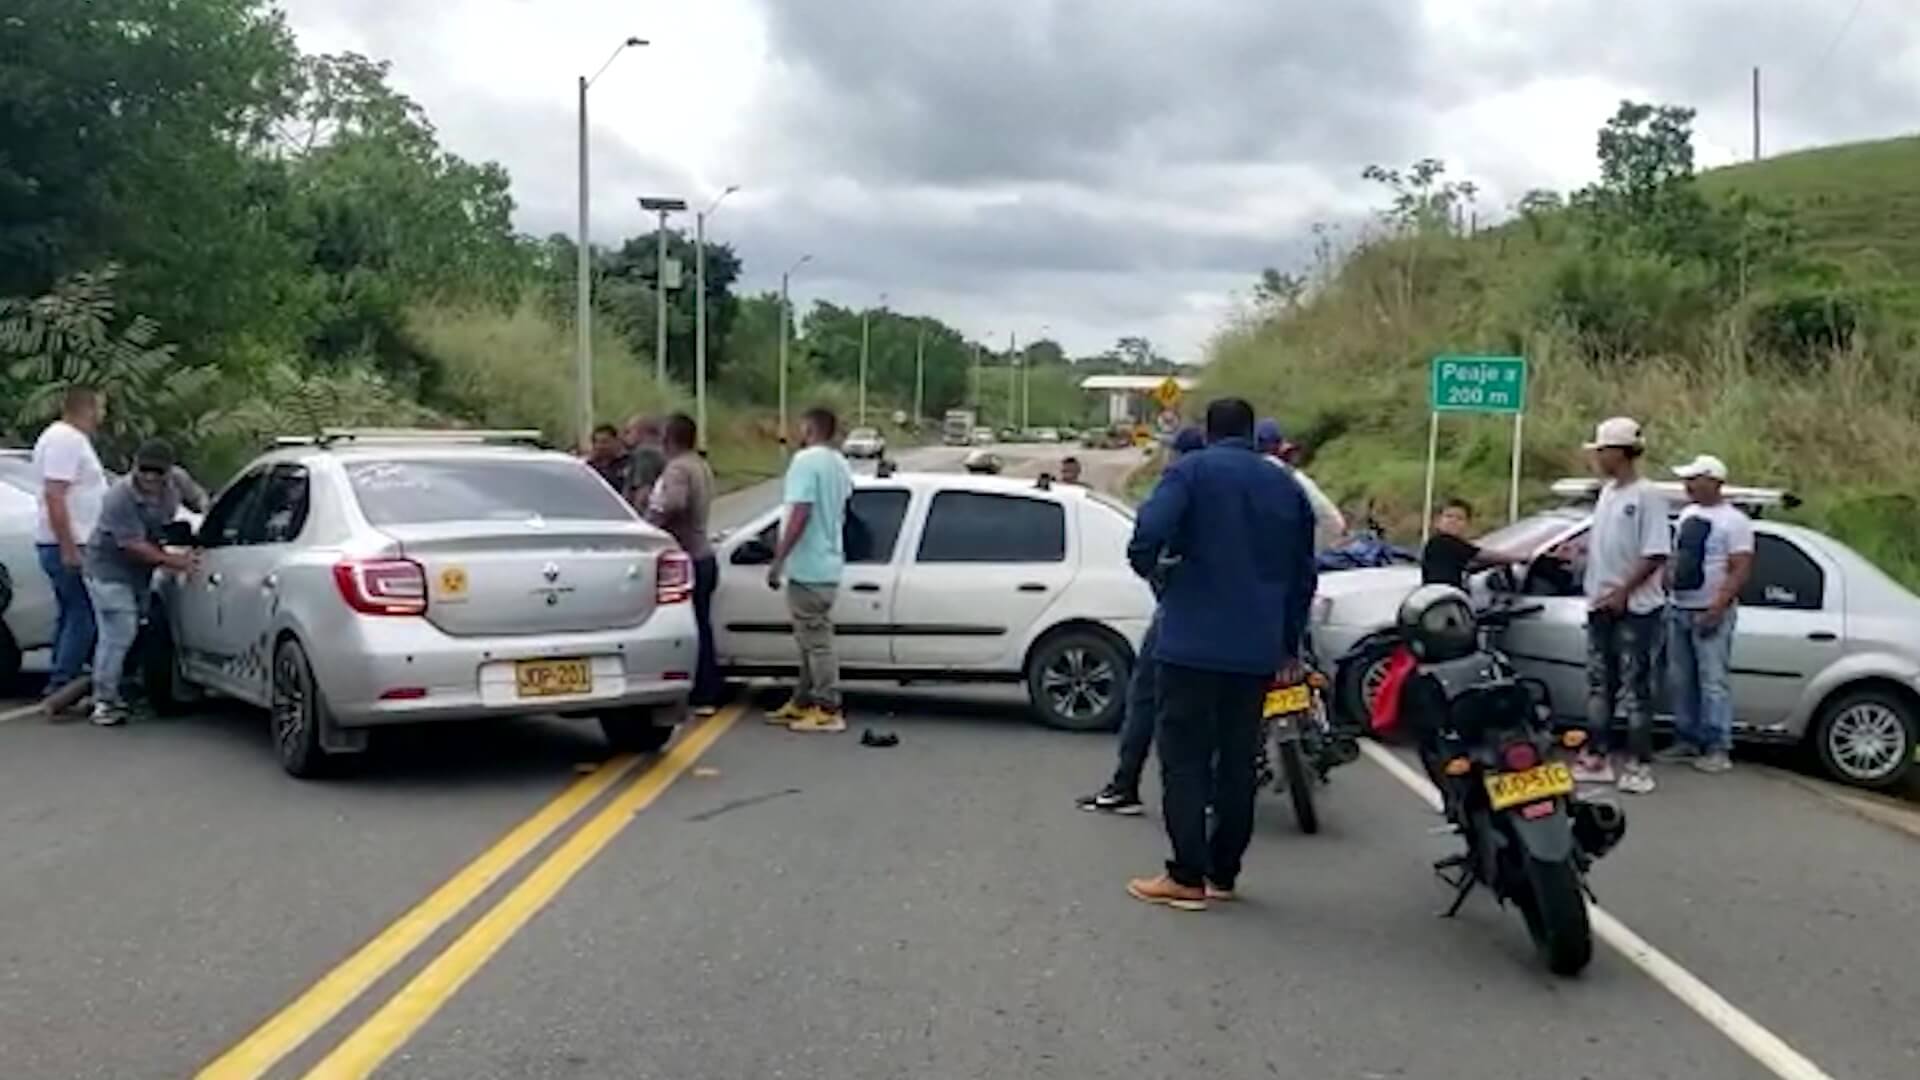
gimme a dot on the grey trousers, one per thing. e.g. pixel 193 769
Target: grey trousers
pixel 811 607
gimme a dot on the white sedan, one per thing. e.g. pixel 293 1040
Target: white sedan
pixel 954 578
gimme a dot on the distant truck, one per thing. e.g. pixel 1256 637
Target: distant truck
pixel 957 429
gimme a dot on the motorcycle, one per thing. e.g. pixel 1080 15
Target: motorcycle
pixel 1297 722
pixel 1502 769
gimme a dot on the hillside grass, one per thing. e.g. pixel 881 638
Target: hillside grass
pixel 1858 204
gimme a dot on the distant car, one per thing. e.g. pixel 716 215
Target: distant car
pixel 982 437
pixel 863 442
pixel 954 578
pixel 1046 435
pixel 983 462
pixel 363 580
pixel 1826 653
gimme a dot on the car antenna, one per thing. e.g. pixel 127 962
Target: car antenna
pixel 1045 483
pixel 884 469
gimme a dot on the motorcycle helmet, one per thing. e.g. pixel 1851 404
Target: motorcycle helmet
pixel 1437 624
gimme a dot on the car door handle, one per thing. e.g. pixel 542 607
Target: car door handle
pixel 1823 635
pixel 1032 586
pixel 270 582
pixel 866 586
pixel 214 578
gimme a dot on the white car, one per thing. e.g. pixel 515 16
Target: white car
pixel 26 598
pixel 864 442
pixel 1826 654
pixel 955 578
pixel 1046 435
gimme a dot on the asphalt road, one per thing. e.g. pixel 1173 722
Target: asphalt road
pixel 760 904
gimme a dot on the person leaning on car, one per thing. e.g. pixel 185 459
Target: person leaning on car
pixel 1712 558
pixel 121 556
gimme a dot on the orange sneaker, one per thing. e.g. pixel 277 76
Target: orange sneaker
pixel 1165 890
pixel 820 721
pixel 788 713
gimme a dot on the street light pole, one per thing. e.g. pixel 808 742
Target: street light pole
pixel 700 312
pixel 786 321
pixel 663 205
pixel 920 374
pixel 1013 372
pixel 583 282
pixel 865 345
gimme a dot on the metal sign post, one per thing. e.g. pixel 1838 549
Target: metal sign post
pixel 1475 384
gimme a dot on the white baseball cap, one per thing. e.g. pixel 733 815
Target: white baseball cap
pixel 1704 465
pixel 1620 432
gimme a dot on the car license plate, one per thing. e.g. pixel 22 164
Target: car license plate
pixel 552 678
pixel 1539 782
pixel 1287 699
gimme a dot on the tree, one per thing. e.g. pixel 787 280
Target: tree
pixel 1138 352
pixel 1279 291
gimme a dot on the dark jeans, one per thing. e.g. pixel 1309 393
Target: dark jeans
pixel 73 628
pixel 1136 725
pixel 1620 652
pixel 706 671
pixel 1209 731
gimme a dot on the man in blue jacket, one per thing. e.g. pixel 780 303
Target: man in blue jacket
pixel 1233 612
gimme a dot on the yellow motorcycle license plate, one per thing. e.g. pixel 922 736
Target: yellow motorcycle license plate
pixel 552 678
pixel 1287 699
pixel 1539 782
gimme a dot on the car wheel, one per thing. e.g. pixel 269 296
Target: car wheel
pixel 1357 683
pixel 1867 738
pixel 1077 681
pixel 9 659
pixel 297 709
pixel 634 731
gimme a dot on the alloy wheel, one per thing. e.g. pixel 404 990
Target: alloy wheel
pixel 1867 741
pixel 291 704
pixel 1078 684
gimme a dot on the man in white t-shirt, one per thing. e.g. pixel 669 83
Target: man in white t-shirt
pixel 72 486
pixel 1626 550
pixel 1712 558
pixel 1329 524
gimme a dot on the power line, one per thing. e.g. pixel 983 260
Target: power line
pixel 1826 54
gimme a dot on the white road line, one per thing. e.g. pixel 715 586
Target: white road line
pixel 20 713
pixel 1771 1051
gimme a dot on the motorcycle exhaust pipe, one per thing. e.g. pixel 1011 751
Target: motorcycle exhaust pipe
pixel 1598 826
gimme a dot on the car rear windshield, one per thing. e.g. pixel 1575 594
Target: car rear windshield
pixel 425 491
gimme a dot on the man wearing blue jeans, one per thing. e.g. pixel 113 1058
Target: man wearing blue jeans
pixel 121 555
pixel 1712 558
pixel 72 485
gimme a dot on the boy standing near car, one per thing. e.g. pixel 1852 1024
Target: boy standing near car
pixel 1712 558
pixel 72 486
pixel 809 558
pixel 1629 545
pixel 121 556
pixel 681 500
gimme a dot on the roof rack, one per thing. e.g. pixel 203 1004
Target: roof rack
pixel 443 436
pixel 1587 489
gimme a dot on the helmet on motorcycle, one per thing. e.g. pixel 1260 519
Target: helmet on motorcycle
pixel 1437 624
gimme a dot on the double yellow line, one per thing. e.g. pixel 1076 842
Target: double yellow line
pixel 395 1022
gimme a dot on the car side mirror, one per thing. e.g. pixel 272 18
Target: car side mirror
pixel 177 534
pixel 1500 579
pixel 755 552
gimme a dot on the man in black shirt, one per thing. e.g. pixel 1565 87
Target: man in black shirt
pixel 1449 556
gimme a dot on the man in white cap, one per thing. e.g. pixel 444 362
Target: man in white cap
pixel 1712 557
pixel 1626 551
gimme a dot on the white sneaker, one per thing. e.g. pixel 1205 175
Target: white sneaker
pixel 105 715
pixel 1637 779
pixel 1714 763
pixel 1593 769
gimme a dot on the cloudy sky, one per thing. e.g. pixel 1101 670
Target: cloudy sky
pixel 1092 168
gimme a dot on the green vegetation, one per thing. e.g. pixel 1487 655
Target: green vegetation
pixel 1764 313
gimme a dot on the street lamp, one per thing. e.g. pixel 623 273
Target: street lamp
pixel 864 340
pixel 662 205
pixel 700 310
pixel 786 320
pixel 583 313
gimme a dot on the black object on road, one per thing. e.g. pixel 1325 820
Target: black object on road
pixel 881 739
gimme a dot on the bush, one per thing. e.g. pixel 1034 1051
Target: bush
pixel 1804 326
pixel 1629 305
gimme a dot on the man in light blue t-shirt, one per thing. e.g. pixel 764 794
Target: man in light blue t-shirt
pixel 809 557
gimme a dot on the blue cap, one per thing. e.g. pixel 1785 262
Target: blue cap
pixel 1187 440
pixel 1267 434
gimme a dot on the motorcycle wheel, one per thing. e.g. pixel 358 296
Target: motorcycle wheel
pixel 1299 786
pixel 1556 914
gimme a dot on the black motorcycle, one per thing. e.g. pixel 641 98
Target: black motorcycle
pixel 1297 721
pixel 1488 739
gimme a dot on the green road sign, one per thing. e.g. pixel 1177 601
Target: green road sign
pixel 1488 384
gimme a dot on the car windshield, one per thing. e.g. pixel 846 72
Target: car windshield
pixel 426 491
pixel 1527 534
pixel 862 433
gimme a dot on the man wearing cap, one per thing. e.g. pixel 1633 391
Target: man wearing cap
pixel 1627 549
pixel 1712 558
pixel 1329 525
pixel 121 555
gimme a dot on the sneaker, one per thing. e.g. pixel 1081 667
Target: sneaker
pixel 788 713
pixel 1113 801
pixel 1593 768
pixel 105 715
pixel 1679 752
pixel 1637 778
pixel 1223 893
pixel 820 721
pixel 1166 891
pixel 704 711
pixel 1714 763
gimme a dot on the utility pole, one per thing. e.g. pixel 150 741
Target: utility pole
pixel 700 312
pixel 973 399
pixel 1013 372
pixel 786 321
pixel 662 205
pixel 1756 113
pixel 865 344
pixel 920 374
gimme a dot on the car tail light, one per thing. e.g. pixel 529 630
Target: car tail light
pixel 1520 756
pixel 673 580
pixel 382 586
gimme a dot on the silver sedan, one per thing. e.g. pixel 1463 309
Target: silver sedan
pixel 1827 653
pixel 355 582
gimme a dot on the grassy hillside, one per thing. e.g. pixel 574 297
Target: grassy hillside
pixel 1836 418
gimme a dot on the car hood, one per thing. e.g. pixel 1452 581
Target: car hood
pixel 1369 598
